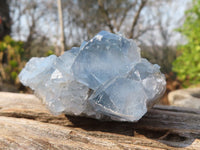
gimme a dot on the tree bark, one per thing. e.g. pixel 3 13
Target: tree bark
pixel 62 38
pixel 106 14
pixel 5 20
pixel 25 123
pixel 136 17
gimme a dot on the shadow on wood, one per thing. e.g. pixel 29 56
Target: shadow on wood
pixel 25 123
pixel 177 127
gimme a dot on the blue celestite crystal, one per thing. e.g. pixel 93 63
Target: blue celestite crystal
pixel 104 78
pixel 103 57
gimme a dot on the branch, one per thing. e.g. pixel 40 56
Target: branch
pixel 123 17
pixel 106 14
pixel 143 2
pixel 142 32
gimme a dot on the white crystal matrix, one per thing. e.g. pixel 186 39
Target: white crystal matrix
pixel 104 78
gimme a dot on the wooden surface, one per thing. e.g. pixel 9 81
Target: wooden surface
pixel 26 124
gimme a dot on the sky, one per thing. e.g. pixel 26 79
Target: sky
pixel 172 17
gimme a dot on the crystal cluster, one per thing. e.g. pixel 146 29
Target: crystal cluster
pixel 103 78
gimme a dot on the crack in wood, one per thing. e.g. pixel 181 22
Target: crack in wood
pixel 161 126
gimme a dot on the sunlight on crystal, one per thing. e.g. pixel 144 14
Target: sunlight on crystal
pixel 104 78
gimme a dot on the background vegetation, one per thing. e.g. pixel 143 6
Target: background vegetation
pixel 31 28
pixel 187 65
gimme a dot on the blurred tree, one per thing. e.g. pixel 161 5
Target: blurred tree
pixel 81 20
pixel 5 20
pixel 12 63
pixel 36 22
pixel 136 17
pixel 162 51
pixel 113 16
pixel 187 65
pixel 32 23
pixel 62 38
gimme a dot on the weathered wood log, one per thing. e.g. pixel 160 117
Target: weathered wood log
pixel 25 123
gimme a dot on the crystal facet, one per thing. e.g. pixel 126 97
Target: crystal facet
pixel 104 78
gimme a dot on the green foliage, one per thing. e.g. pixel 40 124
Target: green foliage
pixel 11 56
pixel 49 52
pixel 187 65
pixel 13 63
pixel 14 75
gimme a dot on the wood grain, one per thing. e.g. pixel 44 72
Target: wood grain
pixel 25 123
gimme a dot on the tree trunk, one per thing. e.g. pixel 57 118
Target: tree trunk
pixel 62 38
pixel 136 17
pixel 26 124
pixel 5 20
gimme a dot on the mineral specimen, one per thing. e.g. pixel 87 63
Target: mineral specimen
pixel 105 78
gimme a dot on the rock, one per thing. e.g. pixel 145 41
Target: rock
pixel 185 98
pixel 116 99
pixel 52 81
pixel 104 57
pixel 105 78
